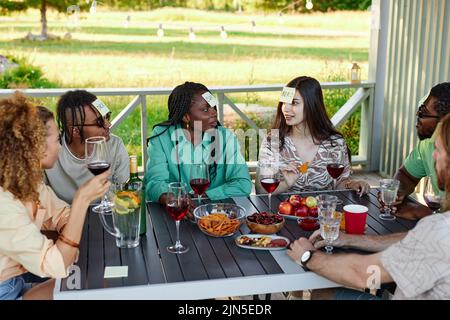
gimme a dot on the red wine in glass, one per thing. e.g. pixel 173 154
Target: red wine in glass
pixel 99 167
pixel 270 184
pixel 432 203
pixel 335 169
pixel 177 210
pixel 199 185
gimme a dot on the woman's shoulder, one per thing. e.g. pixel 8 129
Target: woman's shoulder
pixel 10 203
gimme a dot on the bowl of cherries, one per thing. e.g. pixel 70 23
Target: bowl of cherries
pixel 265 222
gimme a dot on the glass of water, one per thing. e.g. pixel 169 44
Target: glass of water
pixel 389 189
pixel 329 229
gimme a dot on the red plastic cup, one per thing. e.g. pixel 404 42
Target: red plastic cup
pixel 355 218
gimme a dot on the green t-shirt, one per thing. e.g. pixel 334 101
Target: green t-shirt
pixel 420 162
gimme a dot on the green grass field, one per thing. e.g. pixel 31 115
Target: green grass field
pixel 103 53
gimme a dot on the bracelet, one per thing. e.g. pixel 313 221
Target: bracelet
pixel 68 242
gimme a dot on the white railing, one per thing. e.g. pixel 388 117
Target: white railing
pixel 363 96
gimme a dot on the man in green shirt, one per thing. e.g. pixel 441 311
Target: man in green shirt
pixel 191 136
pixel 420 163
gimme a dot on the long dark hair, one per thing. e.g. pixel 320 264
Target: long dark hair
pixel 314 112
pixel 179 104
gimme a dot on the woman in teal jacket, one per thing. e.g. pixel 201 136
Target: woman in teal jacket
pixel 193 135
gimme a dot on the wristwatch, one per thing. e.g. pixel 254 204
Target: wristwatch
pixel 306 256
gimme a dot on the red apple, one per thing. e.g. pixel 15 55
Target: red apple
pixel 303 201
pixel 314 212
pixel 285 207
pixel 295 200
pixel 301 211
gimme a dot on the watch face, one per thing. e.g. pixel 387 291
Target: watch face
pixel 305 257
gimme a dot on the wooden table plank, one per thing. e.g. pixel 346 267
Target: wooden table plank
pixel 169 261
pixel 137 272
pixel 190 261
pixel 112 256
pixel 152 257
pixel 95 275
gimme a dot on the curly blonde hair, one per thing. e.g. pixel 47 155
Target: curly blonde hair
pixel 444 134
pixel 22 145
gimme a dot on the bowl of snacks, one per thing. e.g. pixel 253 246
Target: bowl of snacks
pixel 265 223
pixel 219 219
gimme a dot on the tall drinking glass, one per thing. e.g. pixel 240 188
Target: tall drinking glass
pixel 199 180
pixel 389 189
pixel 335 164
pixel 97 161
pixel 329 229
pixel 431 197
pixel 270 178
pixel 326 204
pixel 177 207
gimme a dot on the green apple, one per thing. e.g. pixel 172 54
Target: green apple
pixel 311 202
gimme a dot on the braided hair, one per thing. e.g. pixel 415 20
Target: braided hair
pixel 179 104
pixel 70 112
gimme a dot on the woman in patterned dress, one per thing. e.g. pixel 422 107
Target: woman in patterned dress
pixel 306 140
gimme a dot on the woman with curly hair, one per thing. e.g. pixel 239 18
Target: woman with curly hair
pixel 29 144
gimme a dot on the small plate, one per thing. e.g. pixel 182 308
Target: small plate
pixel 262 248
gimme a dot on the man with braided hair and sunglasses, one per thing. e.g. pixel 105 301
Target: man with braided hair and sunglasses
pixel 81 115
pixel 193 135
pixel 420 163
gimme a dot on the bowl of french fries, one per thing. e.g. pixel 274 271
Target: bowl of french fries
pixel 219 219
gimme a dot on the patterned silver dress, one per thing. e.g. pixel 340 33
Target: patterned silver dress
pixel 317 177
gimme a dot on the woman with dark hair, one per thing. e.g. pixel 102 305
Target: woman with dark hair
pixel 29 144
pixel 306 139
pixel 192 135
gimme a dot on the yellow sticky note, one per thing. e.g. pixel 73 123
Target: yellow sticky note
pixel 116 272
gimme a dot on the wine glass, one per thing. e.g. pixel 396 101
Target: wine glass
pixel 177 207
pixel 335 163
pixel 97 161
pixel 329 228
pixel 432 198
pixel 199 180
pixel 270 178
pixel 389 189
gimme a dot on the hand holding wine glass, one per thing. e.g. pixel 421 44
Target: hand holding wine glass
pixel 97 161
pixel 389 189
pixel 431 197
pixel 199 179
pixel 177 207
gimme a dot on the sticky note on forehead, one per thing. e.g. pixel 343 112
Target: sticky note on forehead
pixel 212 101
pixel 287 95
pixel 101 107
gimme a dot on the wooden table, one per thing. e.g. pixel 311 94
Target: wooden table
pixel 213 267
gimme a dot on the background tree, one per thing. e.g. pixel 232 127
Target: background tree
pixel 43 6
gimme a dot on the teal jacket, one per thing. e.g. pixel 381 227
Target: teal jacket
pixel 231 176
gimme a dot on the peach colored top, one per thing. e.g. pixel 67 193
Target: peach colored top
pixel 23 248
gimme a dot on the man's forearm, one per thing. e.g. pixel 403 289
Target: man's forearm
pixel 373 243
pixel 407 183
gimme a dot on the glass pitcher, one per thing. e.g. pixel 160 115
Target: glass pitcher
pixel 126 217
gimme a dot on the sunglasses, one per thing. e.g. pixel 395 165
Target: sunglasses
pixel 421 114
pixel 100 121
